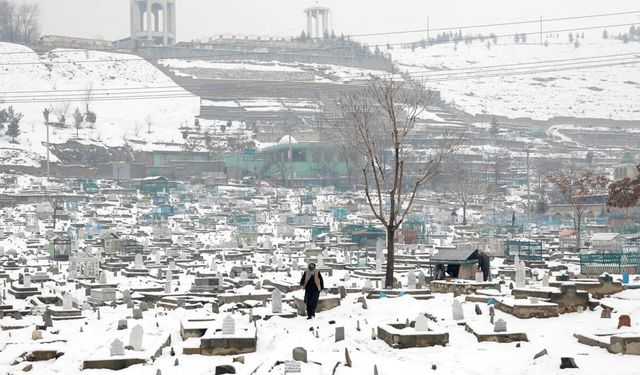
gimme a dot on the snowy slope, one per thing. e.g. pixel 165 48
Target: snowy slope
pixel 607 92
pixel 32 82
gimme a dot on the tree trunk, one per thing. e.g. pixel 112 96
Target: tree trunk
pixel 388 281
pixel 578 234
pixel 464 214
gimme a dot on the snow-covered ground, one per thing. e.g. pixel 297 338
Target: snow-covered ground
pixel 128 92
pixel 607 92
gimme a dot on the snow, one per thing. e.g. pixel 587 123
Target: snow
pixel 120 83
pixel 605 92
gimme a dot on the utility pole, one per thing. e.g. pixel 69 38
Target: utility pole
pixel 541 30
pixel 46 113
pixel 528 151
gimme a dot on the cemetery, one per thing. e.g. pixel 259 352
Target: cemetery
pixel 141 296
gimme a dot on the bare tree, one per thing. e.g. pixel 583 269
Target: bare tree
pixel 378 125
pixel 462 185
pixel 60 111
pixel 579 191
pixel 19 23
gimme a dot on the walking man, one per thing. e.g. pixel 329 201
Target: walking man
pixel 312 283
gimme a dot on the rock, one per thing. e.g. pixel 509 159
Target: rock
pixel 332 322
pixel 434 367
pixel 239 359
pixel 28 368
pixel 36 335
pixel 540 354
pixel 176 362
pixel 478 310
pixel 567 362
pixel 517 345
pixel 347 358
pixel 624 321
pixel 300 354
pixel 225 369
pixel 122 324
pixel 511 286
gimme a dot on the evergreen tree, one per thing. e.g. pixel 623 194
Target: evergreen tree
pixel 605 34
pixel 570 37
pixel 78 118
pixel 523 38
pixel 516 38
pixel 494 129
pixel 14 127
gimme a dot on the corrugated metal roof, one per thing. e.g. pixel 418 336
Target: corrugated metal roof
pixel 455 255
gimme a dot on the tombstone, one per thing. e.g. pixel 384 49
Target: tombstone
pixel 135 339
pixel 520 275
pixel 103 277
pixel 479 277
pixel 116 348
pixel 156 257
pixel 478 309
pixel 456 310
pixel 368 285
pixel 624 321
pixel 294 265
pixel 411 283
pixel 339 334
pixel 228 325
pixel 422 323
pixel 534 300
pixel 36 335
pixel 567 362
pixel 26 281
pixel 137 262
pixel 347 277
pixel 276 301
pixel 280 264
pixel 122 324
pixel 244 275
pixel 144 306
pixel 379 254
pixel 300 354
pixel 67 301
pixel 180 302
pixel 17 315
pixel 605 314
pixel 48 322
pixel 500 326
pixel 320 261
pixel 545 280
pixel 422 280
pixel 492 314
pixel 342 291
pixel 137 314
pixel 126 296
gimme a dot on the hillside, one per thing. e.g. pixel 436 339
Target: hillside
pixel 603 91
pixel 60 81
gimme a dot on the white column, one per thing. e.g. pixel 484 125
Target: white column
pixel 166 19
pixel 325 22
pixel 317 16
pixel 150 25
pixel 309 24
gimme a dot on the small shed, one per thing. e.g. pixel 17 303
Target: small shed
pixel 60 248
pixel 455 263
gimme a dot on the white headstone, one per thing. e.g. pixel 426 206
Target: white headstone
pixel 26 280
pixel 117 348
pixel 228 325
pixel 73 270
pixel 520 275
pixel 135 340
pixel 67 301
pixel 156 257
pixel 169 275
pixel 320 260
pixel 276 301
pixel 167 287
pixel 368 285
pixel 379 254
pixel 103 277
pixel 479 277
pixel 422 323
pixel 1 251
pixel 545 280
pixel 294 264
pixel 280 263
pixel 456 310
pixel 214 266
pixel 244 275
pixel 411 276
pixel 534 300
pixel 500 326
pixel 137 262
pixel 347 277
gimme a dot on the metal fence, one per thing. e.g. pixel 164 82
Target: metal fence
pixel 598 263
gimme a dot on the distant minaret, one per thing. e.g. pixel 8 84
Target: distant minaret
pixel 153 22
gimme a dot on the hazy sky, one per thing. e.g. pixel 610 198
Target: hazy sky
pixel 109 19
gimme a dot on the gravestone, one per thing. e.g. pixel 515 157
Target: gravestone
pixel 294 265
pixel 422 323
pixel 135 339
pixel 368 285
pixel 411 276
pixel 244 275
pixel 534 300
pixel 339 334
pixel 67 301
pixel 300 354
pixel 144 306
pixel 520 275
pixel 228 325
pixel 545 280
pixel 478 310
pixel 379 254
pixel 137 262
pixel 456 310
pixel 48 322
pixel 479 277
pixel 624 321
pixel 347 277
pixel 422 280
pixel 126 296
pixel 156 257
pixel 276 301
pixel 122 324
pixel 36 335
pixel 492 314
pixel 103 277
pixel 26 281
pixel 116 348
pixel 605 314
pixel 500 326
pixel 137 314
